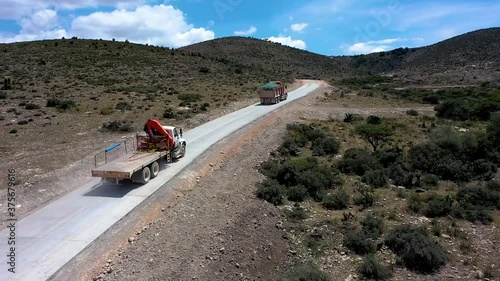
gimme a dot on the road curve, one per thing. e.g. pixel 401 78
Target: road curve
pixel 48 238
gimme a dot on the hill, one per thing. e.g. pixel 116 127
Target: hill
pixel 465 59
pixel 280 59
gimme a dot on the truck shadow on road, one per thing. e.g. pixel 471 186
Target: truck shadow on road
pixel 111 190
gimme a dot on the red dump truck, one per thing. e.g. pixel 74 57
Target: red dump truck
pixel 273 92
pixel 138 159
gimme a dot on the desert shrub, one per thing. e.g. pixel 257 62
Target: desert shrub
pixel 373 226
pixel 31 106
pixel 309 272
pixel 482 111
pixel 13 131
pixel 22 122
pixel 373 120
pixel 375 134
pixel 493 185
pixel 310 132
pixel 452 109
pixel 359 242
pixel 2 117
pixel 412 112
pixel 388 156
pixel 169 113
pixel 297 193
pixel 53 102
pixel 270 191
pixel 117 126
pixel 326 146
pixel 307 172
pixel 349 118
pixel 375 178
pixel 204 69
pixel 3 95
pixel 365 198
pixel 493 138
pixel 270 168
pixel 107 110
pixel 430 180
pixel 61 105
pixel 358 161
pixel 187 97
pixel 478 197
pixel 415 248
pixel 431 99
pixel 123 106
pixel 338 200
pixel 296 213
pixel 438 206
pixel 371 269
pixel 293 144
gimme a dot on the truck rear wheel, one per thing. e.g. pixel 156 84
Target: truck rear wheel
pixel 145 175
pixel 155 169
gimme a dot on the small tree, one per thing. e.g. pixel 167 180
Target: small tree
pixel 375 134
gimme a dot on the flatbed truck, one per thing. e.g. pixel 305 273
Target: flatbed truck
pixel 142 162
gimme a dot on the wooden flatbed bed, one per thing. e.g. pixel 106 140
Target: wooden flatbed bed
pixel 125 166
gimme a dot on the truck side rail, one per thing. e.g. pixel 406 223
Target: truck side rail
pixel 115 151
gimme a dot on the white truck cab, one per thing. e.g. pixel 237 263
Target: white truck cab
pixel 180 143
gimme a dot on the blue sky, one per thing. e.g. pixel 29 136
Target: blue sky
pixel 330 27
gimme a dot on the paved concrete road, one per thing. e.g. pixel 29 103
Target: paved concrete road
pixel 51 236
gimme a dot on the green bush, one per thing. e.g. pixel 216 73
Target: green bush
pixel 326 146
pixel 375 178
pixel 412 112
pixel 358 161
pixel 430 180
pixel 359 242
pixel 310 132
pixel 415 248
pixel 293 144
pixel 123 106
pixel 431 99
pixel 388 156
pixel 169 113
pixel 61 105
pixel 270 191
pixel 3 95
pixel 338 200
pixel 296 213
pixel 204 69
pixel 31 106
pixel 349 118
pixel 297 193
pixel 373 226
pixel 365 196
pixel 107 110
pixel 371 269
pixel 306 272
pixel 438 206
pixel 374 120
pixel 309 173
pixel 117 126
pixel 375 134
pixel 452 109
pixel 189 97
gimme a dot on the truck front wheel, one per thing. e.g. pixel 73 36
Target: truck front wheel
pixel 183 150
pixel 145 175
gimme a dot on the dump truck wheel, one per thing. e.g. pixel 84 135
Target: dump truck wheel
pixel 155 169
pixel 146 175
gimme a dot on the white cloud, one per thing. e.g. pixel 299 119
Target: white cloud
pixel 157 25
pixel 251 30
pixel 43 24
pixel 14 9
pixel 288 41
pixel 298 27
pixel 376 46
